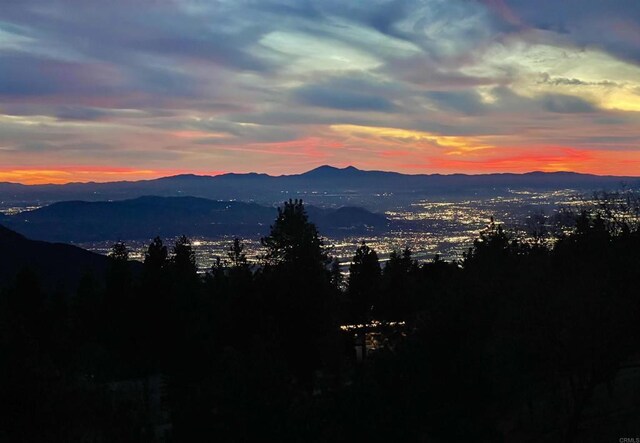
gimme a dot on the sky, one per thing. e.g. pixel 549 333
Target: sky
pixel 135 89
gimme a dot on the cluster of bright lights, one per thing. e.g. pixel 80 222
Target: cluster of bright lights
pixel 426 227
pixel 373 324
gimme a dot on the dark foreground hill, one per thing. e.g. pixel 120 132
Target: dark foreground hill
pixel 55 264
pixel 147 217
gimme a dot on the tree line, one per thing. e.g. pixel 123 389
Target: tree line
pixel 518 340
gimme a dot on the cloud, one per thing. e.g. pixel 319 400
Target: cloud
pixel 545 78
pixel 467 102
pixel 609 25
pixel 327 97
pixel 565 104
pixel 259 85
pixel 79 113
pixel 28 75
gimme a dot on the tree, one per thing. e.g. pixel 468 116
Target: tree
pixel 154 304
pixel 298 293
pixel 294 240
pixel 236 254
pixel 397 286
pixel 364 282
pixel 400 262
pixel 494 246
pixel 119 275
pixel 155 258
pixel 119 252
pixel 118 317
pixel 184 258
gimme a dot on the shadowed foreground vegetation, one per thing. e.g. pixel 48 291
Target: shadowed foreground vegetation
pixel 519 341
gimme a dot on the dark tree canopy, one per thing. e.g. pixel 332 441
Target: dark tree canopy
pixel 155 258
pixel 398 286
pixel 294 240
pixel 364 282
pixel 236 254
pixel 520 341
pixel 184 258
pixel 119 252
pixel 297 288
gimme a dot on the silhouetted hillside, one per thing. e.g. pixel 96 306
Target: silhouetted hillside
pixel 146 217
pixel 53 263
pixel 7 236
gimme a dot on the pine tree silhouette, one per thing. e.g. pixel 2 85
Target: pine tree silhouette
pixel 364 283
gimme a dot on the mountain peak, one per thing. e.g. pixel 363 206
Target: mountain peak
pixel 329 171
pixel 182 177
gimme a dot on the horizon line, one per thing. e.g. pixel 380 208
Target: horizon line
pixel 174 174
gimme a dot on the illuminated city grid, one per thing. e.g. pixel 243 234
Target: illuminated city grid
pixel 427 227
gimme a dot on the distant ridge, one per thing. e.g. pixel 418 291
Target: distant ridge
pixel 329 170
pixel 269 189
pixel 145 217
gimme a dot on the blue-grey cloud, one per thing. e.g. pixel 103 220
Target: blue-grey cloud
pixel 347 101
pixel 611 25
pixel 28 75
pixel 465 102
pixel 79 113
pixel 351 92
pixel 566 104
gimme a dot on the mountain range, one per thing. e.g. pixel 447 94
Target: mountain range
pixel 325 185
